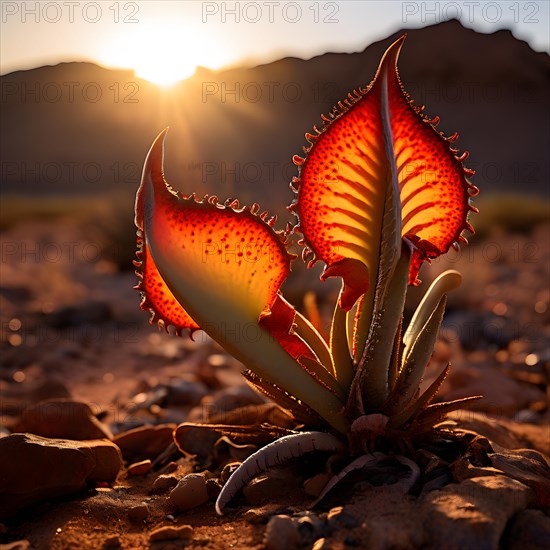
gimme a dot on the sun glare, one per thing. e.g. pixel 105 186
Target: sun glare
pixel 163 54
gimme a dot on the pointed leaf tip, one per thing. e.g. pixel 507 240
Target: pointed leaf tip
pixel 391 55
pixel 157 298
pixel 153 174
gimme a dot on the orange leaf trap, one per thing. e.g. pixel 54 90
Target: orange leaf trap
pixel 374 139
pixel 379 191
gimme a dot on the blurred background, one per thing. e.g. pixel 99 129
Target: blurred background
pixel 86 87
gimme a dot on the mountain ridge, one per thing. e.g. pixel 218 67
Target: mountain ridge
pixel 234 131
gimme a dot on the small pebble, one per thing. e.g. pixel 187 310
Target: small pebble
pixel 17 545
pixel 190 492
pixel 112 542
pixel 140 468
pixel 281 533
pixel 170 467
pixel 171 533
pixel 339 518
pixel 273 484
pixel 163 483
pixel 258 515
pixel 139 512
pixel 310 527
pixel 321 544
pixel 254 517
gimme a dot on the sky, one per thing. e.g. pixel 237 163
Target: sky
pixel 215 34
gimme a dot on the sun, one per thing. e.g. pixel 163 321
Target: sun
pixel 163 53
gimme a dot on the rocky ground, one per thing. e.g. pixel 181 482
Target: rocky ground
pixel 98 393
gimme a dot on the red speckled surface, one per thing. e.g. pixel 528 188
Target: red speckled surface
pixel 344 176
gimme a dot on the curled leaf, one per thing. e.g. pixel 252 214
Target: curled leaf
pixel 372 461
pixel 275 454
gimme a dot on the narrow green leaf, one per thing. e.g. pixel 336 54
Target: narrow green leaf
pixel 447 281
pixel 396 357
pixel 339 348
pixel 299 410
pixel 436 412
pixel 309 334
pixel 325 378
pixel 416 362
pixel 421 403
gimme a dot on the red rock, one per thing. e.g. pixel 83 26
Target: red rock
pixel 270 485
pixel 190 492
pixel 140 468
pixel 112 542
pixel 139 513
pixel 474 513
pixel 171 533
pixel 145 442
pixel 33 469
pixel 281 533
pixel 163 483
pixel 62 418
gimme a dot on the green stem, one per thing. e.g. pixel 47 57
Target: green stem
pixel 375 364
pixel 339 348
pixel 362 325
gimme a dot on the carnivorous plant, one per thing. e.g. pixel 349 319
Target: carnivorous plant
pixel 379 192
